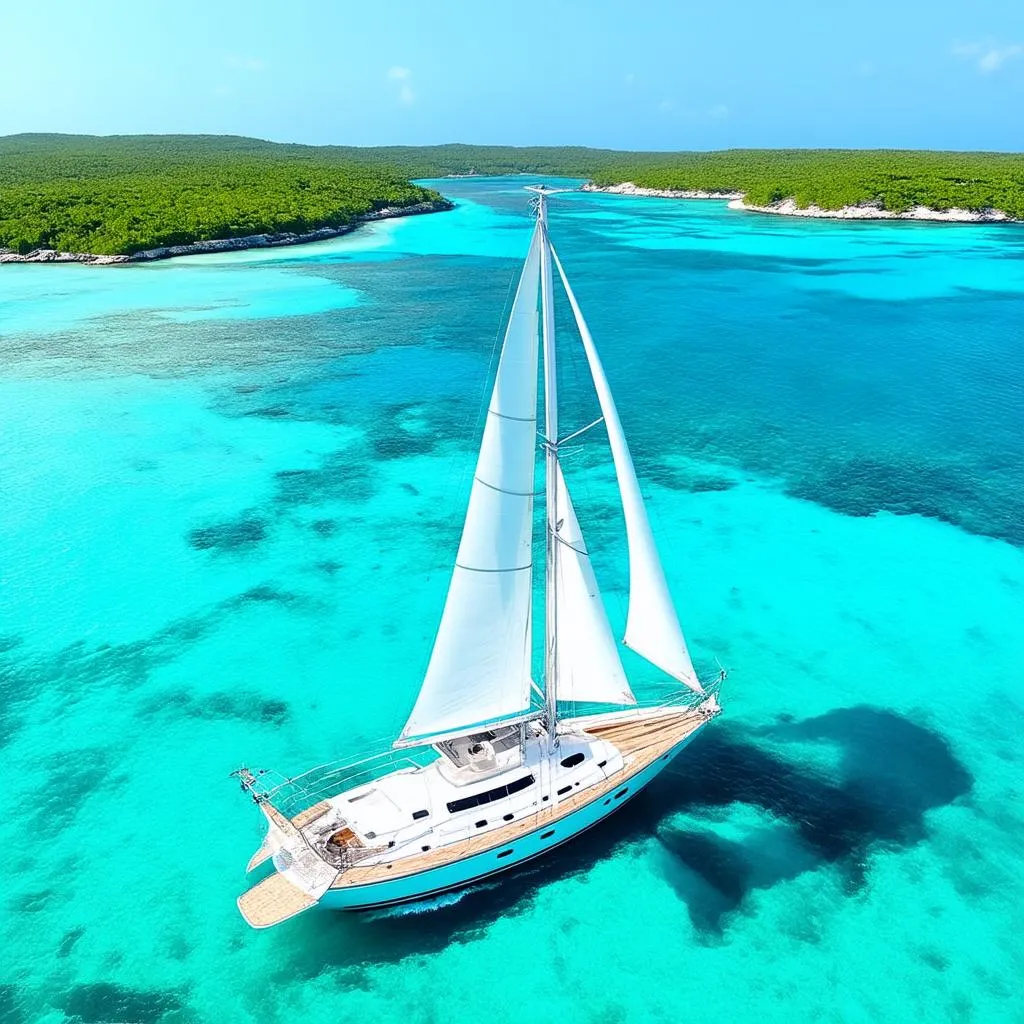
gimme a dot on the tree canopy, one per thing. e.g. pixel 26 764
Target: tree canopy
pixel 122 194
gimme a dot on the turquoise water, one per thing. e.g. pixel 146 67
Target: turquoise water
pixel 232 488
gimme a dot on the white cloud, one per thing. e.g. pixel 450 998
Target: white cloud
pixel 719 110
pixel 242 63
pixel 404 77
pixel 990 56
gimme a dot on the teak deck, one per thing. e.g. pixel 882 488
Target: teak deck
pixel 641 742
pixel 274 900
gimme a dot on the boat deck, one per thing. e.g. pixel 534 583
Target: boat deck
pixel 640 741
pixel 300 819
pixel 272 901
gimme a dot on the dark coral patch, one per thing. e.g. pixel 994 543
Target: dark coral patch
pixel 68 943
pixel 240 705
pixel 104 1001
pixel 342 476
pixel 74 776
pixel 9 642
pixel 10 1008
pixel 864 485
pixel 233 535
pixel 401 444
pixel 891 772
pixel 680 478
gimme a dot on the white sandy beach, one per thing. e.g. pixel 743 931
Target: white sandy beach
pixel 789 208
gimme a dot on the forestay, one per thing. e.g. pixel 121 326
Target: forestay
pixel 479 669
pixel 589 667
pixel 652 626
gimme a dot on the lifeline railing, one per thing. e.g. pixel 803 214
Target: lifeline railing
pixel 293 794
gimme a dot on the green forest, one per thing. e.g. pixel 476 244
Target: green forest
pixel 122 194
pixel 119 195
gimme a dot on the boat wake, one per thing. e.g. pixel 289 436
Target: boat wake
pixel 445 899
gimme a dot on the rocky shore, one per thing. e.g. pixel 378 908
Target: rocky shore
pixel 788 207
pixel 224 244
pixel 627 188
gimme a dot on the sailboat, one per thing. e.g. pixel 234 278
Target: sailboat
pixel 490 770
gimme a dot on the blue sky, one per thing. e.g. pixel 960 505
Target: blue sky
pixel 633 74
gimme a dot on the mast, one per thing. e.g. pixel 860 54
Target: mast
pixel 550 475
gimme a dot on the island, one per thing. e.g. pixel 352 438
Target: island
pixel 117 199
pixel 833 184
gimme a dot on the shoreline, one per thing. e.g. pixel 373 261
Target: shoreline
pixel 262 241
pixel 627 188
pixel 788 207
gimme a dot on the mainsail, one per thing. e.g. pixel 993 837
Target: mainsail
pixel 479 670
pixel 652 626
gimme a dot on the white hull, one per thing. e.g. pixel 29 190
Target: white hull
pixel 501 858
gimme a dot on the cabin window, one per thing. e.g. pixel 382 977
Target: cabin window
pixel 504 853
pixel 621 792
pixel 508 817
pixel 564 790
pixel 573 759
pixel 423 848
pixel 481 823
pixel 371 835
pixel 416 815
pixel 547 835
pixel 489 796
pixel 601 764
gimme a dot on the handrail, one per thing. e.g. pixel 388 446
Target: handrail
pixel 294 794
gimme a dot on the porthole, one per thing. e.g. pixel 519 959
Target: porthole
pixel 564 790
pixel 547 835
pixel 481 823
pixel 621 792
pixel 507 817
pixel 504 853
pixel 416 815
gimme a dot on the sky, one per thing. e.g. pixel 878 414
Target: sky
pixel 635 74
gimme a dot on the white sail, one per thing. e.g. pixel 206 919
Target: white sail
pixel 479 669
pixel 652 626
pixel 589 667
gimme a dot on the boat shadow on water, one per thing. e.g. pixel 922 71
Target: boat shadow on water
pixel 882 772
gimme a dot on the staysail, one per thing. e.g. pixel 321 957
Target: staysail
pixel 479 670
pixel 589 667
pixel 652 626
